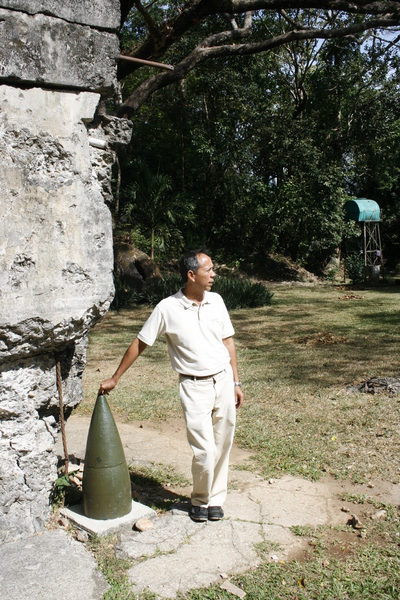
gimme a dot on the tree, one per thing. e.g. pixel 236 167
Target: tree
pixel 225 28
pixel 266 139
pixel 149 201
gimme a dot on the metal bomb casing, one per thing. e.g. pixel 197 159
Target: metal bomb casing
pixel 106 484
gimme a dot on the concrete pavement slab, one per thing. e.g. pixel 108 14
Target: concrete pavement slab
pixel 168 535
pixel 292 501
pixel 178 554
pixel 226 546
pixel 49 566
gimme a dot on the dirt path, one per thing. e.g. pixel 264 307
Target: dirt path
pixel 177 554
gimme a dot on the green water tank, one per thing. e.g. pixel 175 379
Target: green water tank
pixel 362 209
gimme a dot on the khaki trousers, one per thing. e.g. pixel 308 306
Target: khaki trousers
pixel 210 414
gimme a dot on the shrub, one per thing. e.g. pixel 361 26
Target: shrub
pixel 168 285
pixel 122 296
pixel 355 267
pixel 242 293
pixel 237 293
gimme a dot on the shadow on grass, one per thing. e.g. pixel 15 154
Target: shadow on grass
pixel 150 491
pixel 254 333
pixel 320 365
pixel 385 319
pixel 384 289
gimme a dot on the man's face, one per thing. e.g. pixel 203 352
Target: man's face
pixel 204 278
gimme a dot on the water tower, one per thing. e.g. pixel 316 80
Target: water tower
pixel 367 213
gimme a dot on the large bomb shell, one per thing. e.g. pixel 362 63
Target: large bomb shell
pixel 106 483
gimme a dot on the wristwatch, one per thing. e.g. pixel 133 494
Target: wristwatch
pixel 237 383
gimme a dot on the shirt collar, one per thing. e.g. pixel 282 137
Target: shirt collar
pixel 189 303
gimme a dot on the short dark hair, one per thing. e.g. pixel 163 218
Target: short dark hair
pixel 190 262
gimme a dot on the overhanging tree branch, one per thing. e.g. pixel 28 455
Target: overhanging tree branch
pixel 196 11
pixel 291 21
pixel 153 29
pixel 224 44
pixel 389 43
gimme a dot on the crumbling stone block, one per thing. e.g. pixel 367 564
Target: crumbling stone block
pixel 57 149
pixel 104 14
pixel 45 50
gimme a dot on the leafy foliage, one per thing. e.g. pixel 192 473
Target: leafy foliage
pixel 355 267
pixel 237 293
pixel 167 286
pixel 242 293
pixel 64 493
pixel 149 201
pixel 262 151
pixel 122 295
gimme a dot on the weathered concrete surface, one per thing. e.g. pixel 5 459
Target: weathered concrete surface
pixel 178 555
pixel 28 433
pixel 114 133
pixel 103 15
pixel 77 516
pixel 49 566
pixel 56 262
pixel 57 149
pixel 199 554
pixel 58 252
pixel 45 50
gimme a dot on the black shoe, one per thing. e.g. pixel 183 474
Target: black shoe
pixel 198 513
pixel 215 513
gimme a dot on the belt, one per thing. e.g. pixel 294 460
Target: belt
pixel 199 377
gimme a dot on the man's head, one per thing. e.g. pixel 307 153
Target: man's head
pixel 190 262
pixel 197 271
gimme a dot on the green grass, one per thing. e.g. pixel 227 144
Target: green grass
pixel 295 359
pixel 370 574
pixel 298 416
pixel 114 569
pixel 339 566
pixel 158 474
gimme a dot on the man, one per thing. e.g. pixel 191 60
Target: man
pixel 199 334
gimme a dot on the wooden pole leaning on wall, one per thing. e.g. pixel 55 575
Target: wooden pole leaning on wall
pixel 61 405
pixel 148 63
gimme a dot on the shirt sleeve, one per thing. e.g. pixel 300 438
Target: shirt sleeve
pixel 153 328
pixel 227 327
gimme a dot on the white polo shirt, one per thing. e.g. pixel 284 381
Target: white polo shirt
pixel 193 333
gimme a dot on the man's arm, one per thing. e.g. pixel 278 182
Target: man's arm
pixel 230 346
pixel 133 352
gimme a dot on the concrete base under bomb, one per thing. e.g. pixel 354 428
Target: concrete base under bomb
pixel 102 526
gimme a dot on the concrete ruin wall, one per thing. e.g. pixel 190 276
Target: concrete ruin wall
pixel 58 61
